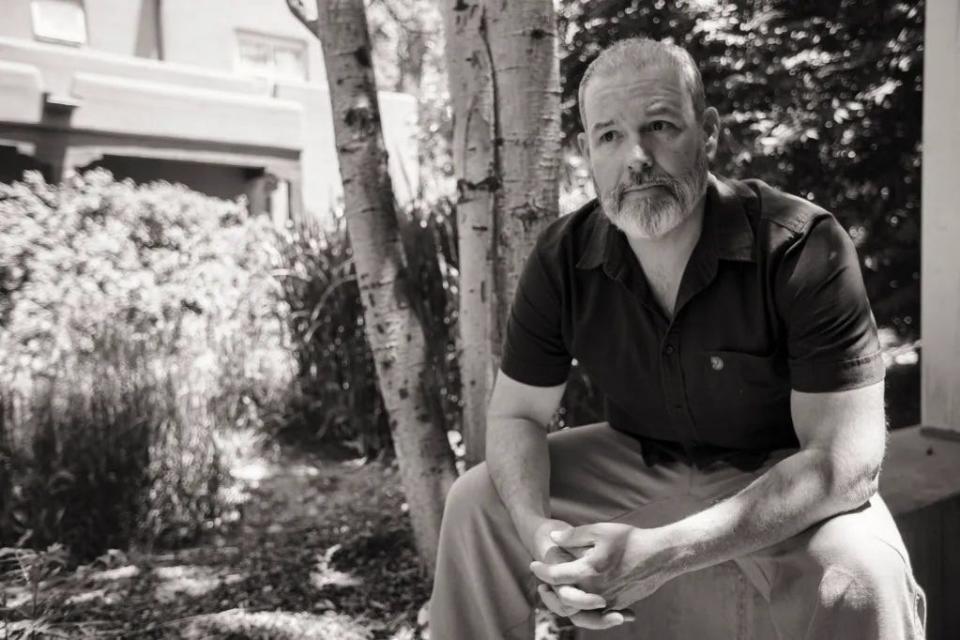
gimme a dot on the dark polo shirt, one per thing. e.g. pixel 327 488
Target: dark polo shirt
pixel 772 299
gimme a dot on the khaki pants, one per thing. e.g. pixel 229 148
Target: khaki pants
pixel 847 578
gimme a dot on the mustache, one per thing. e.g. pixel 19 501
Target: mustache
pixel 636 181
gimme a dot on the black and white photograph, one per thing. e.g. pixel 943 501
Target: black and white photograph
pixel 479 319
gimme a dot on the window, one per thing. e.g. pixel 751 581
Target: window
pixel 61 21
pixel 271 56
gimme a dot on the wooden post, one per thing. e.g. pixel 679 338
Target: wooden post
pixel 940 292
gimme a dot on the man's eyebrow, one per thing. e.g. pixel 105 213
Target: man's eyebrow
pixel 601 125
pixel 663 108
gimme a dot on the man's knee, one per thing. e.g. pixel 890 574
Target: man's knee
pixel 471 494
pixel 864 576
pixel 841 589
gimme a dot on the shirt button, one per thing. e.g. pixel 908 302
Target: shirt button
pixel 716 362
pixel 668 349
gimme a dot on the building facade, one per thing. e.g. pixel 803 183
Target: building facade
pixel 226 96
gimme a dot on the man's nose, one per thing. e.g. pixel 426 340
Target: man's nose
pixel 639 160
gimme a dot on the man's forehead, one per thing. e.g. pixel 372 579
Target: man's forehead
pixel 652 85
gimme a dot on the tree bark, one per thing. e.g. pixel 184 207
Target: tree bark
pixel 523 39
pixel 394 333
pixel 505 86
pixel 471 92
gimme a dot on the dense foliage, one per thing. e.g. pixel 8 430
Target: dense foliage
pixel 141 324
pixel 137 322
pixel 822 99
pixel 335 396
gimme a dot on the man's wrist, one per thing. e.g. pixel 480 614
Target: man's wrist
pixel 527 526
pixel 657 548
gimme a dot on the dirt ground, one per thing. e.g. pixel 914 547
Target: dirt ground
pixel 322 548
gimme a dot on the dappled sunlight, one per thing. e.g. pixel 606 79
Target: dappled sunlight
pixel 95 596
pixel 325 575
pixel 14 597
pixel 241 449
pixel 252 471
pixel 120 573
pixel 279 625
pixel 304 471
pixel 405 633
pixel 192 581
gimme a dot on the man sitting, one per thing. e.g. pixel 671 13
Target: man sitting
pixel 727 325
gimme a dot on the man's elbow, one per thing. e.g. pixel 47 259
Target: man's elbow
pixel 852 484
pixel 866 485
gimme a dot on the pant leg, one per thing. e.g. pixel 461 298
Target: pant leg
pixel 483 588
pixel 847 578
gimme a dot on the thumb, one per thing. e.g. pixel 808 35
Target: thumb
pixel 573 537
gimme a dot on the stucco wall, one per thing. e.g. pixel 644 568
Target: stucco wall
pixel 16 19
pixel 321 173
pixel 194 93
pixel 126 27
pixel 205 33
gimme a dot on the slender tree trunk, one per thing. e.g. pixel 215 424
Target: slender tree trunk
pixel 523 42
pixel 505 85
pixel 471 91
pixel 393 331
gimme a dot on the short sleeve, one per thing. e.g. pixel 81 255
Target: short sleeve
pixel 832 339
pixel 534 352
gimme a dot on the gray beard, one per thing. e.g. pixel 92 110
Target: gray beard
pixel 657 214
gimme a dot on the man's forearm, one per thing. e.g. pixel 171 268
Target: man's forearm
pixel 792 495
pixel 519 465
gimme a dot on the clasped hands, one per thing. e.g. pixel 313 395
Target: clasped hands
pixel 591 573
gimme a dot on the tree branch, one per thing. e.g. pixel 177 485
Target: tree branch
pixel 296 8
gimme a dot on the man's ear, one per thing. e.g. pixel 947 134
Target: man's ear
pixel 711 132
pixel 584 145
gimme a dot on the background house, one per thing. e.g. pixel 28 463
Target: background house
pixel 226 96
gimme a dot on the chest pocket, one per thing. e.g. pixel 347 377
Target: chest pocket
pixel 740 400
pixel 733 379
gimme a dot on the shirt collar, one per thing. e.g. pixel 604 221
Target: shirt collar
pixel 725 219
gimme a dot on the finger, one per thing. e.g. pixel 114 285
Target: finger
pixel 563 573
pixel 574 537
pixel 553 602
pixel 602 620
pixel 579 599
pixel 628 614
pixel 557 555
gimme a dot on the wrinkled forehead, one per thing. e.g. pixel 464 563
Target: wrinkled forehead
pixel 629 89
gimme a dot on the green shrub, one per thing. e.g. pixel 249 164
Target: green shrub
pixel 136 322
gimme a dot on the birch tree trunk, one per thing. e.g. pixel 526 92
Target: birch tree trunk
pixel 523 42
pixel 393 331
pixel 471 92
pixel 505 85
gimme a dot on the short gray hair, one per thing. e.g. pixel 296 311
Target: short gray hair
pixel 639 53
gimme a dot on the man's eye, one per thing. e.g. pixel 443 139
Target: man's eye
pixel 608 136
pixel 660 125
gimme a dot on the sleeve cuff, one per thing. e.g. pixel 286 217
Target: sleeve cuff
pixel 535 376
pixel 819 377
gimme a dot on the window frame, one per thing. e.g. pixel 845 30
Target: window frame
pixel 274 42
pixel 36 20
